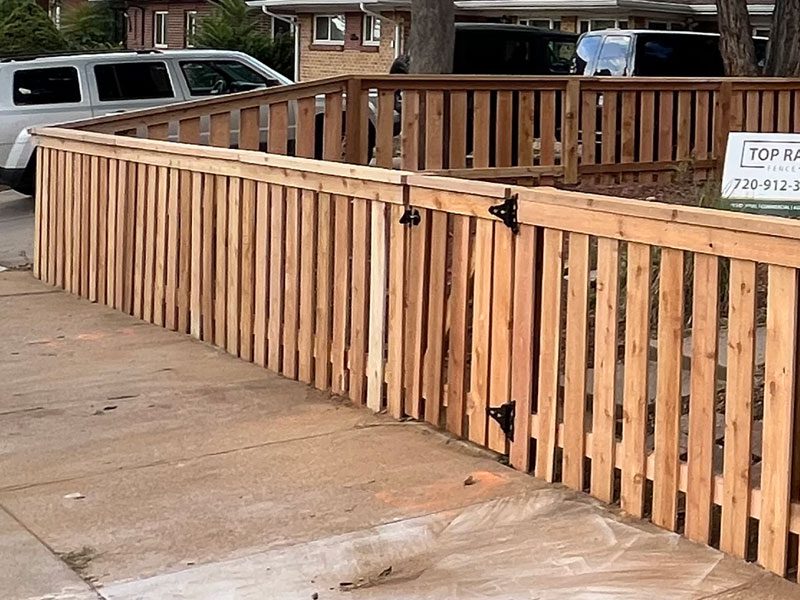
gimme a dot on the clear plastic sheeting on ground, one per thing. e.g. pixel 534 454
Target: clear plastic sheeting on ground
pixel 545 545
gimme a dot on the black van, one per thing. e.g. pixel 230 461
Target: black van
pixel 493 49
pixel 498 49
pixel 647 53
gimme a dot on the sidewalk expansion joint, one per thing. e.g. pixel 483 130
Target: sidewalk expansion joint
pixel 172 461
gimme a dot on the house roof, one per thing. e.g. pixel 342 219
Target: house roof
pixel 683 7
pixel 298 6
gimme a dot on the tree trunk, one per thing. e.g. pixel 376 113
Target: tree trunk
pixel 736 41
pixel 432 36
pixel 784 40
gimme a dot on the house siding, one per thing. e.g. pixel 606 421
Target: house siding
pixel 141 21
pixel 569 23
pixel 351 56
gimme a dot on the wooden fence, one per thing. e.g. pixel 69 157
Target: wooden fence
pixel 512 128
pixel 644 353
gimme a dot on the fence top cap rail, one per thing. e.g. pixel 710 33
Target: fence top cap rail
pixel 308 87
pixel 386 77
pixel 452 184
pixel 250 157
pixel 655 211
pixel 665 212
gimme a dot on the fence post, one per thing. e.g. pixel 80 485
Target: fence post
pixel 722 122
pixel 354 118
pixel 569 134
pixel 41 179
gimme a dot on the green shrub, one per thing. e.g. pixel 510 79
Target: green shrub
pixel 91 26
pixel 235 26
pixel 25 28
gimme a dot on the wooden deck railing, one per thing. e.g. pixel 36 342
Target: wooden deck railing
pixel 532 129
pixel 650 350
pixel 283 120
pixel 572 128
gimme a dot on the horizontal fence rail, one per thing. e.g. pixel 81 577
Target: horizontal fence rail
pixel 642 352
pixel 526 130
pixel 293 119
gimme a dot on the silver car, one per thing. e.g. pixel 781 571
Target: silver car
pixel 46 90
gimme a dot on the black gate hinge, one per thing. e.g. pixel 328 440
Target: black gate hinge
pixel 410 217
pixel 504 415
pixel 507 211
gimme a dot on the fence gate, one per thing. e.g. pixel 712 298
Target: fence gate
pixel 469 311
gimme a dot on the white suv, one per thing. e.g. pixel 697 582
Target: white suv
pixel 47 90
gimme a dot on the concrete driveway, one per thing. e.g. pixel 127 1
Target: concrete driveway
pixel 16 230
pixel 136 463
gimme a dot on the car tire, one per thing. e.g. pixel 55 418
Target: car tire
pixel 27 183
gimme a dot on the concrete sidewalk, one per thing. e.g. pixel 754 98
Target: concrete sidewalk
pixel 136 463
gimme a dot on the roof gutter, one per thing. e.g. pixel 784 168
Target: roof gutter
pixel 314 5
pixel 753 9
pixel 527 5
pixel 397 29
pixel 296 31
pixel 650 5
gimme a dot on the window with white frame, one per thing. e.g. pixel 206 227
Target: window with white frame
pixel 372 31
pixel 541 23
pixel 761 32
pixel 597 24
pixel 55 14
pixel 160 29
pixel 329 29
pixel 190 27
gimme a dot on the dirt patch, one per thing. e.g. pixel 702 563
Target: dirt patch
pixel 80 561
pixel 684 190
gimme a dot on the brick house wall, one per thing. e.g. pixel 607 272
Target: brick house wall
pixel 141 22
pixel 318 60
pixel 141 19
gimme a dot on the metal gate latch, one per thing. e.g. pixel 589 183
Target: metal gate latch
pixel 410 217
pixel 507 211
pixel 504 415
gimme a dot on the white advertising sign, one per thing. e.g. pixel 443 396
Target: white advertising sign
pixel 762 173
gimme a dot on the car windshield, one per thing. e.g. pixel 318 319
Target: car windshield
pixel 585 53
pixel 559 55
pixel 209 77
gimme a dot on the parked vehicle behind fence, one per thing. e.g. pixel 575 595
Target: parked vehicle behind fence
pixel 647 53
pixel 496 49
pixel 45 90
